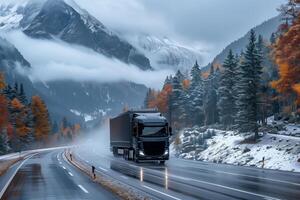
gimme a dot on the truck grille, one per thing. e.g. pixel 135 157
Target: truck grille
pixel 154 148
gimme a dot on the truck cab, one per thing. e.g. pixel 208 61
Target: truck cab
pixel 151 141
pixel 140 135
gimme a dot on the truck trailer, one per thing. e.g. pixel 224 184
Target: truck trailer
pixel 140 135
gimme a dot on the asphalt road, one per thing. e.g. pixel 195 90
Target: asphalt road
pixel 46 176
pixel 184 179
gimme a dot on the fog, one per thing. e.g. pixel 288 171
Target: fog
pixel 96 141
pixel 206 25
pixel 56 60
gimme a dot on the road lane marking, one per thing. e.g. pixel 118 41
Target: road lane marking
pixel 124 177
pixel 63 167
pixel 70 174
pixel 269 179
pixel 13 175
pixel 60 163
pixel 257 177
pixel 103 169
pixel 161 192
pixel 234 189
pixel 83 189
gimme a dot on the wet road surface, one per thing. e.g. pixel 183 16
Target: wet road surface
pixel 48 176
pixel 184 179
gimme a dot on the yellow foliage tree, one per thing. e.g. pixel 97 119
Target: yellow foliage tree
pixel 41 118
pixel 2 81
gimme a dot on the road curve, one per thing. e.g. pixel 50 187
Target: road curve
pixel 184 179
pixel 46 176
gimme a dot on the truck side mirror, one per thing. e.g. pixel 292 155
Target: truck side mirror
pixel 170 131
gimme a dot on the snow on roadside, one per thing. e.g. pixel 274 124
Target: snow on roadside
pixel 280 152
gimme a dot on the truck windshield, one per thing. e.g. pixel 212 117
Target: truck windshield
pixel 154 131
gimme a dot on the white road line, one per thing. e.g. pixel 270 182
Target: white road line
pixel 70 174
pixel 60 163
pixel 257 177
pixel 103 169
pixel 11 178
pixel 124 177
pixel 269 179
pixel 63 167
pixel 230 188
pixel 83 189
pixel 161 192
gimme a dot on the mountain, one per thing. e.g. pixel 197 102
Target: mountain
pixel 79 101
pixel 165 53
pixel 15 68
pixel 12 63
pixel 64 20
pixel 265 29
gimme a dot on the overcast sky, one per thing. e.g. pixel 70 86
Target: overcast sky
pixel 204 24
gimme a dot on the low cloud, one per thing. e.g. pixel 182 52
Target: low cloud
pixel 205 25
pixel 56 60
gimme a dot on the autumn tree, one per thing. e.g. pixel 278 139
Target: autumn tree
pixel 163 98
pixel 2 82
pixel 40 118
pixel 287 57
pixel 3 124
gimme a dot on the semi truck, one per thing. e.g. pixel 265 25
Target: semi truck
pixel 140 135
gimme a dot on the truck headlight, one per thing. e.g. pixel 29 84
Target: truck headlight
pixel 166 152
pixel 141 153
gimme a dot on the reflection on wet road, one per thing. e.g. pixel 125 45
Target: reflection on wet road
pixel 200 180
pixel 48 176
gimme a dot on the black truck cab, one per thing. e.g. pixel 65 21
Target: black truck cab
pixel 140 135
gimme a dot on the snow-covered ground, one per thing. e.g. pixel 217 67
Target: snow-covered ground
pixel 280 152
pixel 283 127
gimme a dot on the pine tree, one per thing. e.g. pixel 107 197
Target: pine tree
pixel 247 88
pixel 196 93
pixel 210 107
pixel 273 38
pixel 179 76
pixel 9 92
pixel 226 102
pixel 176 102
pixel 147 98
pixel 55 127
pixel 22 96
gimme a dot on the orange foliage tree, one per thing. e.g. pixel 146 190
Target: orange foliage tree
pixel 3 112
pixel 41 118
pixel 162 101
pixel 2 81
pixel 186 84
pixel 287 57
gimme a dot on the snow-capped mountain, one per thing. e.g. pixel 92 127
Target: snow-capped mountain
pixel 166 53
pixel 64 20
